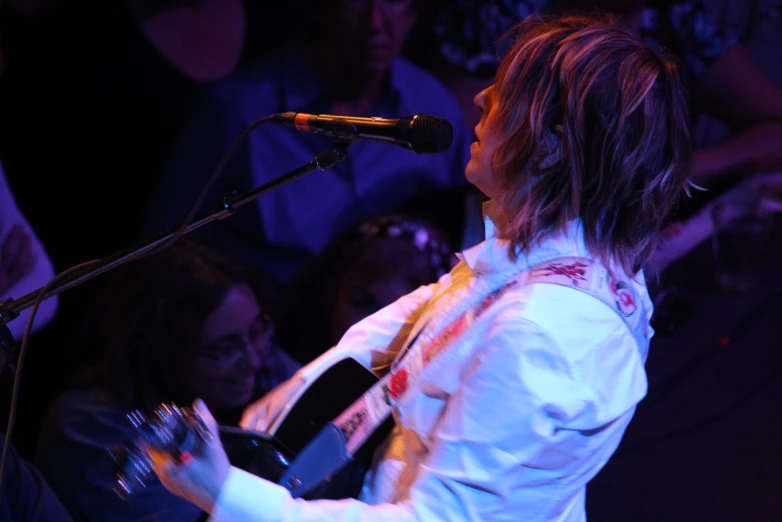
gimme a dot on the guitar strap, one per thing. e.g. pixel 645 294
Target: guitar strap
pixel 369 411
pixel 346 434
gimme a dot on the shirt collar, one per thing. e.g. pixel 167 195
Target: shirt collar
pixel 491 256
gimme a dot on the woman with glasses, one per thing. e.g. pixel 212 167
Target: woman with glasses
pixel 184 323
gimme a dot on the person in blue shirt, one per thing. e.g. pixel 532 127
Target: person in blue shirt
pixel 26 496
pixel 347 62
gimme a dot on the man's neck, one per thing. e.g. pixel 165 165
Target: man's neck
pixel 351 92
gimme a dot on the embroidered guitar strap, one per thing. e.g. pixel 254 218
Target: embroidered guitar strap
pixel 594 279
pixel 369 411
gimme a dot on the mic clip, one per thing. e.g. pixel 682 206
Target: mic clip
pixel 340 130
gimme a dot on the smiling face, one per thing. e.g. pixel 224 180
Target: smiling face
pixel 234 343
pixel 479 169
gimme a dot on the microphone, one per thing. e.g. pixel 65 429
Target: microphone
pixel 422 133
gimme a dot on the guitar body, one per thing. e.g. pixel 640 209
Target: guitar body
pixel 270 456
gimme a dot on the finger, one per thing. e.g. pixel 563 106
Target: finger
pixel 260 417
pixel 170 475
pixel 26 249
pixel 200 408
pixel 13 253
pixel 28 259
pixel 23 263
pixel 15 236
pixel 249 418
pixel 11 245
pixel 164 466
pixel 169 468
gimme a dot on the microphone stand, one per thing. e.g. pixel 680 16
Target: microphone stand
pixel 10 307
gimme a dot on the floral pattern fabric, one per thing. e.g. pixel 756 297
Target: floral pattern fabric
pixel 470 32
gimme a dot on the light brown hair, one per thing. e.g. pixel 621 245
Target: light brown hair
pixel 620 111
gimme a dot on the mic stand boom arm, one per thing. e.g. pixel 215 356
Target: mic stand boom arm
pixel 10 308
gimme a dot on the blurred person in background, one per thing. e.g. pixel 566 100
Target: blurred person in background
pixel 126 73
pixel 363 270
pixel 722 78
pixel 25 267
pixel 182 323
pixel 343 57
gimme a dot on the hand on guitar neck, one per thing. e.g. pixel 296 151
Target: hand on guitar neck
pixel 264 414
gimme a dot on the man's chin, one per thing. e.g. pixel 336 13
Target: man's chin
pixel 376 65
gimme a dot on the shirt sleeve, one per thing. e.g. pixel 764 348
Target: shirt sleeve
pixel 503 432
pixel 517 395
pixel 378 337
pixel 247 498
pixel 26 495
pixel 73 456
pixel 41 273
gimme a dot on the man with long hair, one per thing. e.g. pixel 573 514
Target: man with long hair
pixel 526 361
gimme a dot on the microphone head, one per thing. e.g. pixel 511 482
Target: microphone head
pixel 426 134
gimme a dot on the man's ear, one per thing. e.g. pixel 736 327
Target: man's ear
pixel 552 148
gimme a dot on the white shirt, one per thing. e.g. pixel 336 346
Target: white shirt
pixel 509 422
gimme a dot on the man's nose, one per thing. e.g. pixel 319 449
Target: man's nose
pixel 252 357
pixel 375 18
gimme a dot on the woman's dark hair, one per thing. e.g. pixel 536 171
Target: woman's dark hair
pixel 146 321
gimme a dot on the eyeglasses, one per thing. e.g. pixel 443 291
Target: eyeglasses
pixel 386 6
pixel 226 351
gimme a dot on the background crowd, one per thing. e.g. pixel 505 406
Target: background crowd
pixel 114 115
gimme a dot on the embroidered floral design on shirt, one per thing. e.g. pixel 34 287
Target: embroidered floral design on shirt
pixel 575 271
pixel 396 386
pixel 624 297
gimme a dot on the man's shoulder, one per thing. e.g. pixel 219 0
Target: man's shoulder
pixel 564 294
pixel 253 85
pixel 421 87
